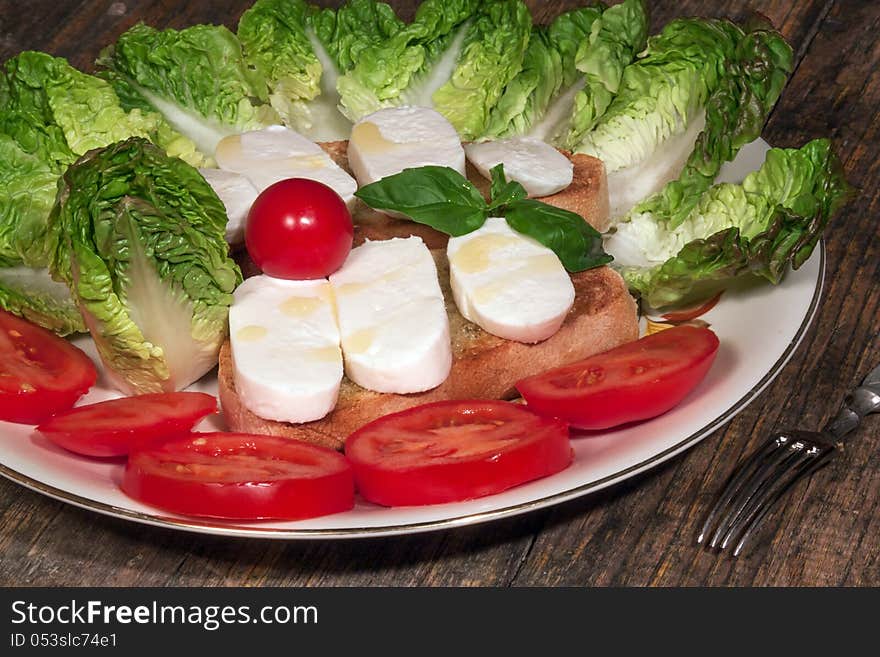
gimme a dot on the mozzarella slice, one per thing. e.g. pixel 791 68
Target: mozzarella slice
pixel 392 317
pixel 391 140
pixel 534 164
pixel 285 348
pixel 508 283
pixel 237 194
pixel 276 153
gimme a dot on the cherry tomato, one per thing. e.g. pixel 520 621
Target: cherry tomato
pixel 299 229
pixel 240 476
pixel 635 381
pixel 116 426
pixel 40 373
pixel 454 450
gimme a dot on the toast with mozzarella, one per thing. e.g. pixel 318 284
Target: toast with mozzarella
pixel 602 317
pixel 483 366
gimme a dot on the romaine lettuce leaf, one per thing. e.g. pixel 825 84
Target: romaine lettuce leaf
pixel 140 243
pixel 601 59
pixel 527 97
pixel 701 89
pixel 456 57
pixel 735 115
pixel 300 51
pixel 52 113
pixel 31 293
pixel 385 70
pixel 196 78
pixel 274 38
pixel 770 222
pixel 354 27
pixel 570 73
pixel 27 115
pixel 662 92
pixel 84 108
pixel 27 192
pixel 492 54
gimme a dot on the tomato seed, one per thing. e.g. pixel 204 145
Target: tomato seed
pixel 590 377
pixel 14 333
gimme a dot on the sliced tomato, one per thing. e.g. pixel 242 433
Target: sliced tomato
pixel 40 373
pixel 116 426
pixel 454 450
pixel 635 381
pixel 240 476
pixel 687 314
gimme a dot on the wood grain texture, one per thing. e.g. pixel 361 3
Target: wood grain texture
pixel 640 532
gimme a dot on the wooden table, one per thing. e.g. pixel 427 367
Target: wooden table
pixel 640 532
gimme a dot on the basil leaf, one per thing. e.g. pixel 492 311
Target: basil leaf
pixel 503 191
pixel 439 197
pixel 577 243
pixel 443 199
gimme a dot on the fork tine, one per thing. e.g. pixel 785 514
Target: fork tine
pixel 797 454
pixel 735 482
pixel 808 466
pixel 760 478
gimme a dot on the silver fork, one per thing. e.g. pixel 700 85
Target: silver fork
pixel 764 477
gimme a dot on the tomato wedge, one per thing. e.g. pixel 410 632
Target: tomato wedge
pixel 635 381
pixel 240 476
pixel 116 426
pixel 40 373
pixel 454 450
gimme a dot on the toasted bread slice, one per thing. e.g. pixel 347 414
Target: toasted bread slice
pixel 587 196
pixel 483 366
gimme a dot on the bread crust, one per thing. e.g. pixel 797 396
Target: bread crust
pixel 484 366
pixel 588 193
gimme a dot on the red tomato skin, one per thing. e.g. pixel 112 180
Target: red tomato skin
pixel 260 501
pixel 608 407
pixel 465 480
pixel 106 442
pixel 51 381
pixel 279 499
pixel 687 314
pixel 30 408
pixel 299 229
pixel 440 485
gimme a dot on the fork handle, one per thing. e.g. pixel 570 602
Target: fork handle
pixel 860 403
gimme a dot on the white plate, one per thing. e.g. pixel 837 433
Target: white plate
pixel 759 328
